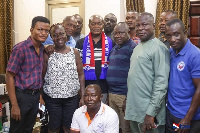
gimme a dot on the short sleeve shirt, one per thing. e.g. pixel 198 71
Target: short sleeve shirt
pixel 105 121
pixel 184 66
pixel 27 65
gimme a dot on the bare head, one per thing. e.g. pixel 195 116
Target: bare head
pixel 92 97
pixel 110 20
pixel 145 26
pixel 120 33
pixel 79 23
pixel 175 34
pixel 164 17
pixel 70 25
pixel 96 24
pixel 131 17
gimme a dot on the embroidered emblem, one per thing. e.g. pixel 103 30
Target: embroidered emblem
pixel 181 66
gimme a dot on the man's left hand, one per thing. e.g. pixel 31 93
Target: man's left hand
pixel 148 123
pixel 182 123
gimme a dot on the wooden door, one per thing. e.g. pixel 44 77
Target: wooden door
pixel 194 23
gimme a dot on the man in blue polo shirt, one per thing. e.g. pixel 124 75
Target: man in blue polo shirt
pixel 184 82
pixel 70 25
pixel 118 71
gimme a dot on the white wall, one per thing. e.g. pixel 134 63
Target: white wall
pixel 24 11
pixel 150 6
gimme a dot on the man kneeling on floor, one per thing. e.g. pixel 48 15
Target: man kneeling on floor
pixel 94 116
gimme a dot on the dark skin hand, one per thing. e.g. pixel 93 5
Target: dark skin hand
pixel 10 84
pixel 193 107
pixel 50 49
pixel 148 123
pixel 81 76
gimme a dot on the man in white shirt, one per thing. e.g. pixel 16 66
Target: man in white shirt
pixel 94 116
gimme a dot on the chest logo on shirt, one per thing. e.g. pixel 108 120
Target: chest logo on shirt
pixel 181 66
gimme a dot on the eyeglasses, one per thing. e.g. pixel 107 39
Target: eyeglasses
pixel 45 30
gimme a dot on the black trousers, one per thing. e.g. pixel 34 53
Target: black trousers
pixel 170 119
pixel 28 104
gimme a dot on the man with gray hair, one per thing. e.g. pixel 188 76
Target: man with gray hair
pixel 118 71
pixel 95 49
pixel 147 80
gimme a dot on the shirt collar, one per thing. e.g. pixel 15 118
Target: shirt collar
pixel 126 43
pixel 30 43
pixel 101 110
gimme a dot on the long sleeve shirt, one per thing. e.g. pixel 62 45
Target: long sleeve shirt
pixel 148 81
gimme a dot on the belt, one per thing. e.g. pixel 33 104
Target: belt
pixel 28 91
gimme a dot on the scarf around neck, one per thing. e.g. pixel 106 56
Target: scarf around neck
pixel 88 57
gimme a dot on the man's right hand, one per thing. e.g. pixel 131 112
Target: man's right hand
pixel 49 49
pixel 15 112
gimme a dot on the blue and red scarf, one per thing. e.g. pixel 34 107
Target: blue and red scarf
pixel 88 57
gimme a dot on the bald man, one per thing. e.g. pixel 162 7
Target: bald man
pixel 164 18
pixel 95 49
pixel 70 24
pixel 94 116
pixel 117 80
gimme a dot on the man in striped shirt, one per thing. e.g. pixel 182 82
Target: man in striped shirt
pixel 118 71
pixel 95 41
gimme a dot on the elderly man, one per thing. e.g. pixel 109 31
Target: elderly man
pixel 94 116
pixel 110 21
pixel 147 80
pixel 183 104
pixel 131 17
pixel 95 49
pixel 118 71
pixel 24 79
pixel 70 24
pixel 77 34
pixel 164 17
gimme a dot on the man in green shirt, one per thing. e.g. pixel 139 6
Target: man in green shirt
pixel 147 80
